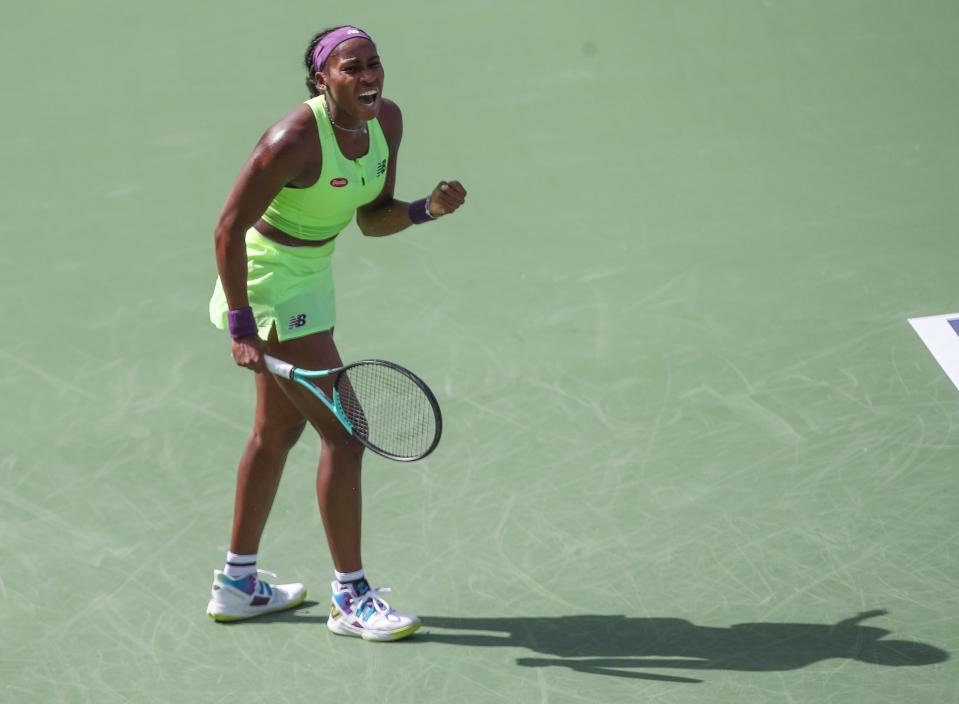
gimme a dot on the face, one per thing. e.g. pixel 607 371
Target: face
pixel 353 79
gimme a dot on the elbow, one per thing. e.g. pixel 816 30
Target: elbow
pixel 227 233
pixel 363 223
pixel 221 240
pixel 222 231
pixel 377 218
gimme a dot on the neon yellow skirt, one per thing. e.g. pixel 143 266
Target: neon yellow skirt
pixel 291 287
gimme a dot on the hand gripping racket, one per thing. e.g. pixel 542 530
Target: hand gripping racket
pixel 386 407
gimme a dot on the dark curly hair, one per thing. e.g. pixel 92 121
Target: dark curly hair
pixel 308 61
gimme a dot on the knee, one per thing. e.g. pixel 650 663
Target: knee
pixel 343 447
pixel 276 438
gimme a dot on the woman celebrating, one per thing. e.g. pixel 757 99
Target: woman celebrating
pixel 333 156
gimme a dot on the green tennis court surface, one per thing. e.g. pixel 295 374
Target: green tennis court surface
pixel 693 450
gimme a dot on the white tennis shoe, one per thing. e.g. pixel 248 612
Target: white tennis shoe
pixel 249 597
pixel 367 615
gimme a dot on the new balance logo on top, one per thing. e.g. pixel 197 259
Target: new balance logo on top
pixel 296 321
pixel 381 168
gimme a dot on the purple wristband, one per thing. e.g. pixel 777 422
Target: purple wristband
pixel 241 323
pixel 419 211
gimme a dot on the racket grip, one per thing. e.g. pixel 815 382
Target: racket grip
pixel 278 367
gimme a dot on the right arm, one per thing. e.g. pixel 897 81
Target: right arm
pixel 278 159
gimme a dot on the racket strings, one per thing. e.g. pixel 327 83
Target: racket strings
pixel 388 408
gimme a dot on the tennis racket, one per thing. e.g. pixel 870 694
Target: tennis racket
pixel 386 407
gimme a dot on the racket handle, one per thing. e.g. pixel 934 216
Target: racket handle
pixel 278 367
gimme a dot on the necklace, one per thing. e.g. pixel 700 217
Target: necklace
pixel 329 114
pixel 361 128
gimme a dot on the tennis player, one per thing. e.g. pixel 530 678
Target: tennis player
pixel 333 156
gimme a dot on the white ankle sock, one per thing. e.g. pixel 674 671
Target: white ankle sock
pixel 239 565
pixel 344 577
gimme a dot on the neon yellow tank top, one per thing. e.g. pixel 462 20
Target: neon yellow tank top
pixel 325 208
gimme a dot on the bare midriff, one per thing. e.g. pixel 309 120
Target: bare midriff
pixel 276 235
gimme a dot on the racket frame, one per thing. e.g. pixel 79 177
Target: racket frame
pixel 302 377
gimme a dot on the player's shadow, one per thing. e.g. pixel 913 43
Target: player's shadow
pixel 621 646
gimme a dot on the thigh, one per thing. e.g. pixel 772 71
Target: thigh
pixel 316 351
pixel 279 422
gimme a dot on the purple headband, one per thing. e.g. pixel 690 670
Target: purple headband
pixel 332 40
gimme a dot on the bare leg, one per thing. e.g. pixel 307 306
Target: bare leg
pixel 338 488
pixel 339 496
pixel 277 426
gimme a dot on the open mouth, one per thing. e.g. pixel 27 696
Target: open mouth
pixel 369 97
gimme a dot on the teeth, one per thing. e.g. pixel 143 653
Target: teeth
pixel 369 93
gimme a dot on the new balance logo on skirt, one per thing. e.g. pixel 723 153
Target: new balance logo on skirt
pixel 296 321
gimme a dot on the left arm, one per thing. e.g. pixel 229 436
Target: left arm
pixel 386 215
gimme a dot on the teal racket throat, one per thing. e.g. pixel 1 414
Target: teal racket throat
pixel 386 407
